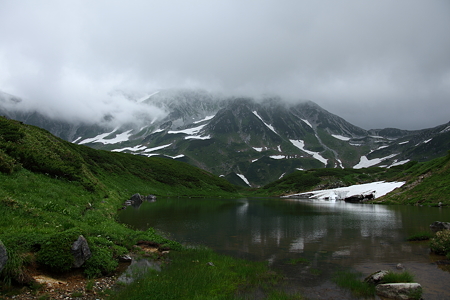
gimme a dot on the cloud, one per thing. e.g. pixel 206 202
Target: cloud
pixel 389 58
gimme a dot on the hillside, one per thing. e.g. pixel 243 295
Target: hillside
pixel 427 183
pixel 51 191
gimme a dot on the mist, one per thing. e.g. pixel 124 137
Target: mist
pixel 376 64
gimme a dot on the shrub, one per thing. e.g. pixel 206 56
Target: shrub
pixel 8 164
pixel 440 244
pixel 55 253
pixel 101 262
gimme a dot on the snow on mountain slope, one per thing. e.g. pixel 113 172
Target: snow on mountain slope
pixel 364 162
pixel 301 145
pixel 267 125
pixel 101 138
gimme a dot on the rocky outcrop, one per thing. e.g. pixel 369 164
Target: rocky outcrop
pixel 3 256
pixel 377 277
pixel 80 251
pixel 399 291
pixel 437 226
pixel 137 199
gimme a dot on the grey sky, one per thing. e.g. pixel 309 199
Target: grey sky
pixel 375 63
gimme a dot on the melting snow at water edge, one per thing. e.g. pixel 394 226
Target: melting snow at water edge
pixel 379 188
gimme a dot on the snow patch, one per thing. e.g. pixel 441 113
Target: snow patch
pixel 402 143
pixel 380 188
pixel 157 148
pixel 277 156
pixel 268 125
pixel 205 119
pixel 445 129
pixel 398 163
pixel 244 179
pixel 146 97
pixel 122 137
pixel 427 141
pixel 364 162
pixel 132 149
pixel 301 145
pixel 340 137
pixel 188 131
pixel 197 137
pixel 258 149
pixel 307 122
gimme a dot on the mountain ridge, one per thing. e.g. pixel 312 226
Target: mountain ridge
pixel 248 141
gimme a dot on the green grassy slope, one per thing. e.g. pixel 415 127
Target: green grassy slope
pixel 427 183
pixel 51 191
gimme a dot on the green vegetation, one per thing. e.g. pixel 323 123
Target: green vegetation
pixel 351 280
pixel 440 244
pixel 420 236
pixel 52 191
pixel 427 183
pixel 199 273
pixel 392 277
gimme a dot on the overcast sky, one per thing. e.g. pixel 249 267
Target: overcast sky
pixel 376 63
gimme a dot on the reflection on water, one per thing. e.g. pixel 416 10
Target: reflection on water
pixel 329 234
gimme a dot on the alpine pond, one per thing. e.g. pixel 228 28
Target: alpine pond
pixel 307 240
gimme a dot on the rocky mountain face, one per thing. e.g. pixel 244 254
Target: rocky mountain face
pixel 249 142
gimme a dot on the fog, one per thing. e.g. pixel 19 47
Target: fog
pixel 377 64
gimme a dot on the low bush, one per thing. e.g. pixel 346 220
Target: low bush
pixel 100 263
pixel 440 244
pixel 55 252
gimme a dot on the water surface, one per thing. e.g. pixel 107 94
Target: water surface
pixel 329 235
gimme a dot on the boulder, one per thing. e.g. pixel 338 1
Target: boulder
pixel 80 251
pixel 377 277
pixel 436 226
pixel 3 256
pixel 399 291
pixel 137 199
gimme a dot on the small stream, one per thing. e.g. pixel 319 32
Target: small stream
pixel 329 236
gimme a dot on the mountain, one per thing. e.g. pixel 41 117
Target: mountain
pixel 248 141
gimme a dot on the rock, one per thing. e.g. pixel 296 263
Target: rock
pixel 375 278
pixel 80 251
pixel 137 199
pixel 400 267
pixel 125 258
pixel 3 256
pixel 400 291
pixel 436 226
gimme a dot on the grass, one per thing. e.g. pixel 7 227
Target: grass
pixel 351 280
pixel 421 236
pixel 392 277
pixel 200 273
